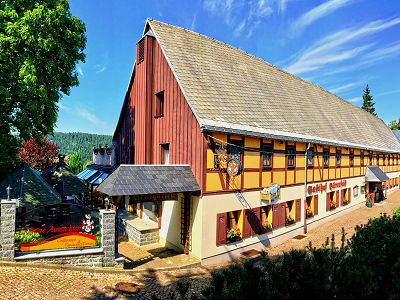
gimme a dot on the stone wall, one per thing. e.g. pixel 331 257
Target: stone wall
pixel 7 229
pixel 139 237
pixel 90 260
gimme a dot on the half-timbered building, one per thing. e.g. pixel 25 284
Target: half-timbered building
pixel 271 155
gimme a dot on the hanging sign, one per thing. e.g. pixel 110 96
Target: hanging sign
pixel 234 167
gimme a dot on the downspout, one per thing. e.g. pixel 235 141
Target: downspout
pixel 305 188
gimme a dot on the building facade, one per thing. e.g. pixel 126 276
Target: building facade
pixel 245 128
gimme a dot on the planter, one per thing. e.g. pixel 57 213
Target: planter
pixel 233 239
pixel 265 229
pixel 289 222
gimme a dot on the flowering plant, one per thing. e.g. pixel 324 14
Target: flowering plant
pixel 289 220
pixel 309 213
pixel 233 234
pixel 333 205
pixel 266 226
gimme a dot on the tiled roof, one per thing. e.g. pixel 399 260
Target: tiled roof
pixel 397 134
pixel 230 90
pixel 63 180
pixel 27 185
pixel 149 179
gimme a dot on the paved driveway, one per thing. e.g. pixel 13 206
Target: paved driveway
pixel 39 283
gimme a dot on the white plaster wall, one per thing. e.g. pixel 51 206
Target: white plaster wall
pixel 171 224
pixel 221 203
pixel 197 226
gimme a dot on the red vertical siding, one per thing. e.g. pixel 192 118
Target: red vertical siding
pixel 178 127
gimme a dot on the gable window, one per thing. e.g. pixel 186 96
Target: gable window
pixel 310 157
pixel 165 154
pixel 362 158
pixel 338 157
pixel 290 155
pixel 377 159
pixel 370 158
pixel 267 156
pixel 159 105
pixel 351 157
pixel 326 157
pixel 141 52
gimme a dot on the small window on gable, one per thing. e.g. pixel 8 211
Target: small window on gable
pixel 326 157
pixel 165 154
pixel 267 156
pixel 310 157
pixel 351 156
pixel 362 158
pixel 141 52
pixel 290 156
pixel 159 105
pixel 338 157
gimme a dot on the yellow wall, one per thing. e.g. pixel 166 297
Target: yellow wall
pixel 252 165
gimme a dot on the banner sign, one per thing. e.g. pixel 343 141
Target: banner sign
pixel 322 187
pixel 56 227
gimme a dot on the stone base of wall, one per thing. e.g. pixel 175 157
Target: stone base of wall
pixel 78 260
pixel 139 237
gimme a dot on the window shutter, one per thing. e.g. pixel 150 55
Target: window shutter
pixel 255 221
pixel 315 205
pixel 282 214
pixel 221 229
pixel 342 193
pixel 246 223
pixel 298 210
pixel 349 193
pixel 275 216
pixel 328 201
pixel 337 198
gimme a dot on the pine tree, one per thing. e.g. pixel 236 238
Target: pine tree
pixel 368 105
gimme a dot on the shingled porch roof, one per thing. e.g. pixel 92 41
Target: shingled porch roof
pixel 149 179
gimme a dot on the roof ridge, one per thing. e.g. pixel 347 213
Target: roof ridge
pixel 262 60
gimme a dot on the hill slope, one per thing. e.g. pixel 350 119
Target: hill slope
pixel 78 141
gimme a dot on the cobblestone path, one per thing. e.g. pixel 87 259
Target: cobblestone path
pixel 39 283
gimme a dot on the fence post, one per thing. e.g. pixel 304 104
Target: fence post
pixel 7 229
pixel 108 236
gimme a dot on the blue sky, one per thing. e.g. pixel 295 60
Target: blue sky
pixel 340 45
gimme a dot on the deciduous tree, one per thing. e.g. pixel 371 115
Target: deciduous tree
pixel 394 125
pixel 39 155
pixel 40 45
pixel 74 161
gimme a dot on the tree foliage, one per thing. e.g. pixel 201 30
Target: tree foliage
pixel 40 45
pixel 368 104
pixel 394 125
pixel 72 142
pixel 74 161
pixel 40 155
pixel 367 267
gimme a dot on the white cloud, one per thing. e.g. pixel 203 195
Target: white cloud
pixel 80 71
pixel 389 93
pixel 88 116
pixel 343 88
pixel 337 47
pixel 193 24
pixel 316 13
pixel 83 113
pixel 282 5
pixel 101 68
pixel 355 99
pixel 244 17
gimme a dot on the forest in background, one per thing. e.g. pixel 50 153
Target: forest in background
pixel 72 142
